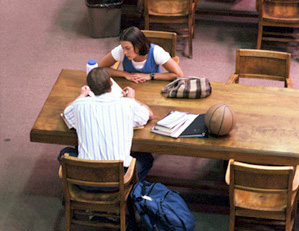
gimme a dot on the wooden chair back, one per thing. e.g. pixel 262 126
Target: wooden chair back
pixel 280 10
pixel 262 64
pixel 172 8
pixel 259 178
pixel 79 176
pixel 166 40
pixel 93 173
pixel 264 192
pixel 172 12
pixel 277 13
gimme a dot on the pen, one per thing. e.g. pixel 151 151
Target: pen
pixel 126 92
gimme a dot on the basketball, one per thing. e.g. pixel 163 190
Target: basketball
pixel 220 119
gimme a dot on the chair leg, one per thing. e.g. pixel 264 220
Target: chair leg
pixel 193 22
pixel 190 48
pixel 232 220
pixel 288 223
pixel 122 218
pixel 259 36
pixel 295 212
pixel 68 216
pixel 190 40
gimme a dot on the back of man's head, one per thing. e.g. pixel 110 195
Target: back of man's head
pixel 98 80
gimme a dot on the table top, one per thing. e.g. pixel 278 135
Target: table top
pixel 266 131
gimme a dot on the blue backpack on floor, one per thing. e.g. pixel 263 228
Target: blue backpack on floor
pixel 161 209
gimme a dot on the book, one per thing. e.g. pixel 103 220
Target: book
pixel 197 128
pixel 66 122
pixel 171 120
pixel 183 124
pixel 115 90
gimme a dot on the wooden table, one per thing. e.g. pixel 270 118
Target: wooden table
pixel 267 129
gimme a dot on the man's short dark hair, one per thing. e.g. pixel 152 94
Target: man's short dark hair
pixel 137 38
pixel 98 80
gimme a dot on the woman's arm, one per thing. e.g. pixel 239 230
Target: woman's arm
pixel 107 61
pixel 171 66
pixel 174 70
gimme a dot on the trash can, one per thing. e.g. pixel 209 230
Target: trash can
pixel 104 17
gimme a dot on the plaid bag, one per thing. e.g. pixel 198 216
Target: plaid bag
pixel 188 87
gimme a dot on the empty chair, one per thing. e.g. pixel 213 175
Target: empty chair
pixel 262 194
pixel 172 12
pixel 262 64
pixel 82 204
pixel 279 14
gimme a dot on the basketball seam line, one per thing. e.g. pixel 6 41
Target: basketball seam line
pixel 213 114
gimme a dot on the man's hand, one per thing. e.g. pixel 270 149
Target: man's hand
pixel 129 92
pixel 84 91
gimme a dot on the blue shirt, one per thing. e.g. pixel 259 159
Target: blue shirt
pixel 150 65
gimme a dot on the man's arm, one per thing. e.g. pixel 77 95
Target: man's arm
pixel 84 93
pixel 130 93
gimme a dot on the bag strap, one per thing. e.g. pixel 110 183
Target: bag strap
pixel 176 81
pixel 171 85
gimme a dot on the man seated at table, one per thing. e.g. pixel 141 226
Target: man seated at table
pixel 104 123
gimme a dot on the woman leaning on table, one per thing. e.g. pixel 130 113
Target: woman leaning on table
pixel 141 59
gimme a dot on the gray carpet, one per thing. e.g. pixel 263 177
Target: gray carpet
pixel 38 39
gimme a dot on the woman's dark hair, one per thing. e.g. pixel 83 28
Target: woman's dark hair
pixel 98 80
pixel 137 38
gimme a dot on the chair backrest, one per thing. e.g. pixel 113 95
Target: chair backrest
pixel 261 179
pixel 91 173
pixel 279 9
pixel 168 7
pixel 253 63
pixel 166 40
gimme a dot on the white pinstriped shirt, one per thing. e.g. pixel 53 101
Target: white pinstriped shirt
pixel 104 126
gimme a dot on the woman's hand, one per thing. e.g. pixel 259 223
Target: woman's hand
pixel 138 77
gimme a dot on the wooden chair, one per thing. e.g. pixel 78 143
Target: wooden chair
pixel 262 194
pixel 277 13
pixel 262 64
pixel 172 12
pixel 81 204
pixel 166 40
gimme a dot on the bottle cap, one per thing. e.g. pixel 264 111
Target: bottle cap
pixel 92 62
